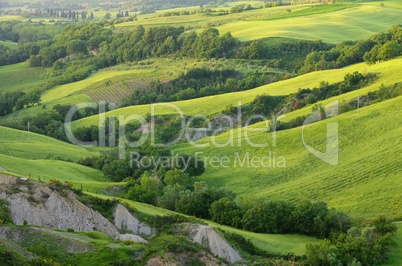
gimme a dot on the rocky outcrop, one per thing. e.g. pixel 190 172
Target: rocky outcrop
pixel 130 237
pixel 35 203
pixel 207 236
pixel 124 220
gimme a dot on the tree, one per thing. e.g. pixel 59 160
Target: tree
pixel 147 190
pixel 225 211
pixel 171 194
pixel 384 226
pixel 117 170
pixel 107 16
pixel 308 216
pixel 321 254
pixel 177 177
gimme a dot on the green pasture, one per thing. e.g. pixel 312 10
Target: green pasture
pixel 28 145
pixel 347 24
pixel 22 77
pixel 364 183
pixel 91 180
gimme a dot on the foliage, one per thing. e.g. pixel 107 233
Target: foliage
pixel 131 167
pixel 10 257
pixel 5 216
pixel 105 207
pixel 164 243
pixel 360 246
pixel 382 46
pixel 200 82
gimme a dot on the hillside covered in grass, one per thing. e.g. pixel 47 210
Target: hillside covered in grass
pixel 281 119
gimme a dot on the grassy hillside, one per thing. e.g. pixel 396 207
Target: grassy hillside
pixel 12 78
pixel 388 73
pixel 40 158
pixel 67 247
pixel 365 183
pixel 348 24
pixel 9 44
pixel 89 178
pixel 18 143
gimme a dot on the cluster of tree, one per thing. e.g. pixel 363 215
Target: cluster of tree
pixel 176 190
pixel 13 101
pixel 268 106
pixel 380 47
pixel 360 245
pixel 31 37
pixel 70 14
pixel 277 3
pixel 121 47
pixel 351 82
pixel 148 6
pixel 122 14
pixel 141 160
pixel 241 8
pixel 382 94
pixel 286 54
pixel 176 13
pixel 200 82
pixel 307 218
pixel 51 122
pixel 263 105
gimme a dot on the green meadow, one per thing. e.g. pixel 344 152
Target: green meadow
pixel 9 44
pixel 43 170
pixel 312 10
pixel 22 77
pixel 347 24
pixel 28 145
pixel 41 158
pixel 364 183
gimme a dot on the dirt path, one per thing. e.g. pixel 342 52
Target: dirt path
pixel 2 168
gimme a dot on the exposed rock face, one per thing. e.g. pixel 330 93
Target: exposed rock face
pixel 134 238
pixel 207 236
pixel 124 220
pixel 38 204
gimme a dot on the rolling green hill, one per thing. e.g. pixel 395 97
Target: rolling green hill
pixel 348 24
pixel 12 78
pixel 26 145
pixel 388 72
pixel 43 158
pixel 44 170
pixel 365 183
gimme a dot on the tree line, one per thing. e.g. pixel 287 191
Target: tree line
pixel 200 82
pixel 379 47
